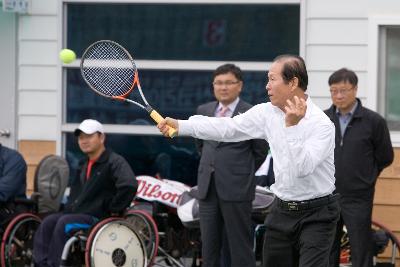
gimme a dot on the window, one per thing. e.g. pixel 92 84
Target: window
pixel 180 45
pixel 223 32
pixel 390 77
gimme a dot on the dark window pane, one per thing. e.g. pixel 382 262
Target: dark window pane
pixel 175 159
pixel 393 78
pixel 224 32
pixel 172 93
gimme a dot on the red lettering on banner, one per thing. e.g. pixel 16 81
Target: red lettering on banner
pixel 154 191
pixel 158 194
pixel 165 196
pixel 141 185
pixel 146 189
pixel 173 196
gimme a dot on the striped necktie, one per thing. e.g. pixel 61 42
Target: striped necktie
pixel 222 111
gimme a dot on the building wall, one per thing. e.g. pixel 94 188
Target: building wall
pixel 38 83
pixel 336 36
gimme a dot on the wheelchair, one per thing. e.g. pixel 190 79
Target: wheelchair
pixel 383 239
pixel 110 242
pixel 24 215
pixel 154 216
pixel 167 241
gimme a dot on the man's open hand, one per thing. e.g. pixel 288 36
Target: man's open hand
pixel 295 111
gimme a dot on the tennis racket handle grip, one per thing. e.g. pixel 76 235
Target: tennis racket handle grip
pixel 157 118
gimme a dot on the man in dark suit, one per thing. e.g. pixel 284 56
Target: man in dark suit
pixel 226 181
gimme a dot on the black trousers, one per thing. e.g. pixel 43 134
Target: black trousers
pixel 356 212
pixel 51 237
pixel 234 217
pixel 300 237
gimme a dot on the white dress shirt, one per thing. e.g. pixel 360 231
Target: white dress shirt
pixel 303 154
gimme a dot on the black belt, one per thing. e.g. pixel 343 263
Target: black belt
pixel 306 204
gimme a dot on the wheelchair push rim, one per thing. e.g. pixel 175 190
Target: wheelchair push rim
pixel 10 244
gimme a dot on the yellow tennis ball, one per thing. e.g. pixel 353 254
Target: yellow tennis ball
pixel 67 55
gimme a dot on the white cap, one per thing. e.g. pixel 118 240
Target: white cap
pixel 89 126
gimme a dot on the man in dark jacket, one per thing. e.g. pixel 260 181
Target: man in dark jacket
pixel 12 179
pixel 105 185
pixel 363 149
pixel 226 181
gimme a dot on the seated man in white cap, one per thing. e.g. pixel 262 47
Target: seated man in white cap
pixel 104 185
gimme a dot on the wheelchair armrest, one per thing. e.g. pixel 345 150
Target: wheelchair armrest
pixel 25 201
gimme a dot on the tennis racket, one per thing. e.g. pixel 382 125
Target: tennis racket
pixel 110 71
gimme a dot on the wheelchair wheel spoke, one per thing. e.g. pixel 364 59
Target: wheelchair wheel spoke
pixel 17 242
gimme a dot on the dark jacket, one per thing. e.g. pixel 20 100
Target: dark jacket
pixel 233 164
pixel 363 153
pixel 12 174
pixel 110 188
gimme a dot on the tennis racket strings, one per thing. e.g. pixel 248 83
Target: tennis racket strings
pixel 109 69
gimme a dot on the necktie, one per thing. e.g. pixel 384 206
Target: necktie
pixel 222 111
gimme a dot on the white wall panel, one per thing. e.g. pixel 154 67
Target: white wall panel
pixel 384 7
pixel 38 28
pixel 333 31
pixel 318 83
pixel 44 7
pixel 37 78
pixel 37 103
pixel 38 53
pixel 337 8
pixel 331 58
pixel 37 128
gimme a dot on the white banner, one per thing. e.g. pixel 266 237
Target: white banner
pixel 165 191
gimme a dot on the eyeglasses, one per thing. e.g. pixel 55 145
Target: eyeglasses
pixel 227 83
pixel 341 91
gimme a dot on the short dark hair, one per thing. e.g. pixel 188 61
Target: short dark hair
pixel 229 68
pixel 343 75
pixel 294 66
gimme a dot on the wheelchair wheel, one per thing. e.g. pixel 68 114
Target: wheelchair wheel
pixel 113 242
pixel 17 241
pixel 382 237
pixel 147 229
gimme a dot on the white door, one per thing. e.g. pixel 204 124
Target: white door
pixel 8 85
